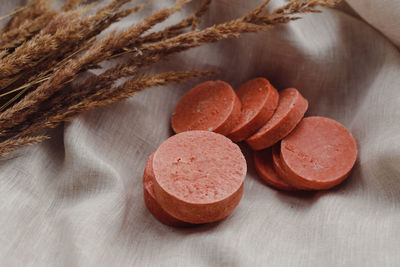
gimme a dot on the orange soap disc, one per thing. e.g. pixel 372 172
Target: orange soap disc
pixel 318 154
pixel 265 169
pixel 209 106
pixel 291 108
pixel 199 176
pixel 150 201
pixel 276 159
pixel 259 100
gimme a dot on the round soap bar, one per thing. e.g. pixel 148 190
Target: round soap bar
pixel 150 201
pixel 318 154
pixel 291 108
pixel 209 106
pixel 265 169
pixel 259 100
pixel 199 176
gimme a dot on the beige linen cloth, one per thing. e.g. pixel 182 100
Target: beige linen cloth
pixel 77 199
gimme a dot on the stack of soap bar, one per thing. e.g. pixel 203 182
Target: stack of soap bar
pixel 194 177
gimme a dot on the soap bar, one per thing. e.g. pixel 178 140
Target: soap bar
pixel 199 176
pixel 259 100
pixel 318 154
pixel 209 106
